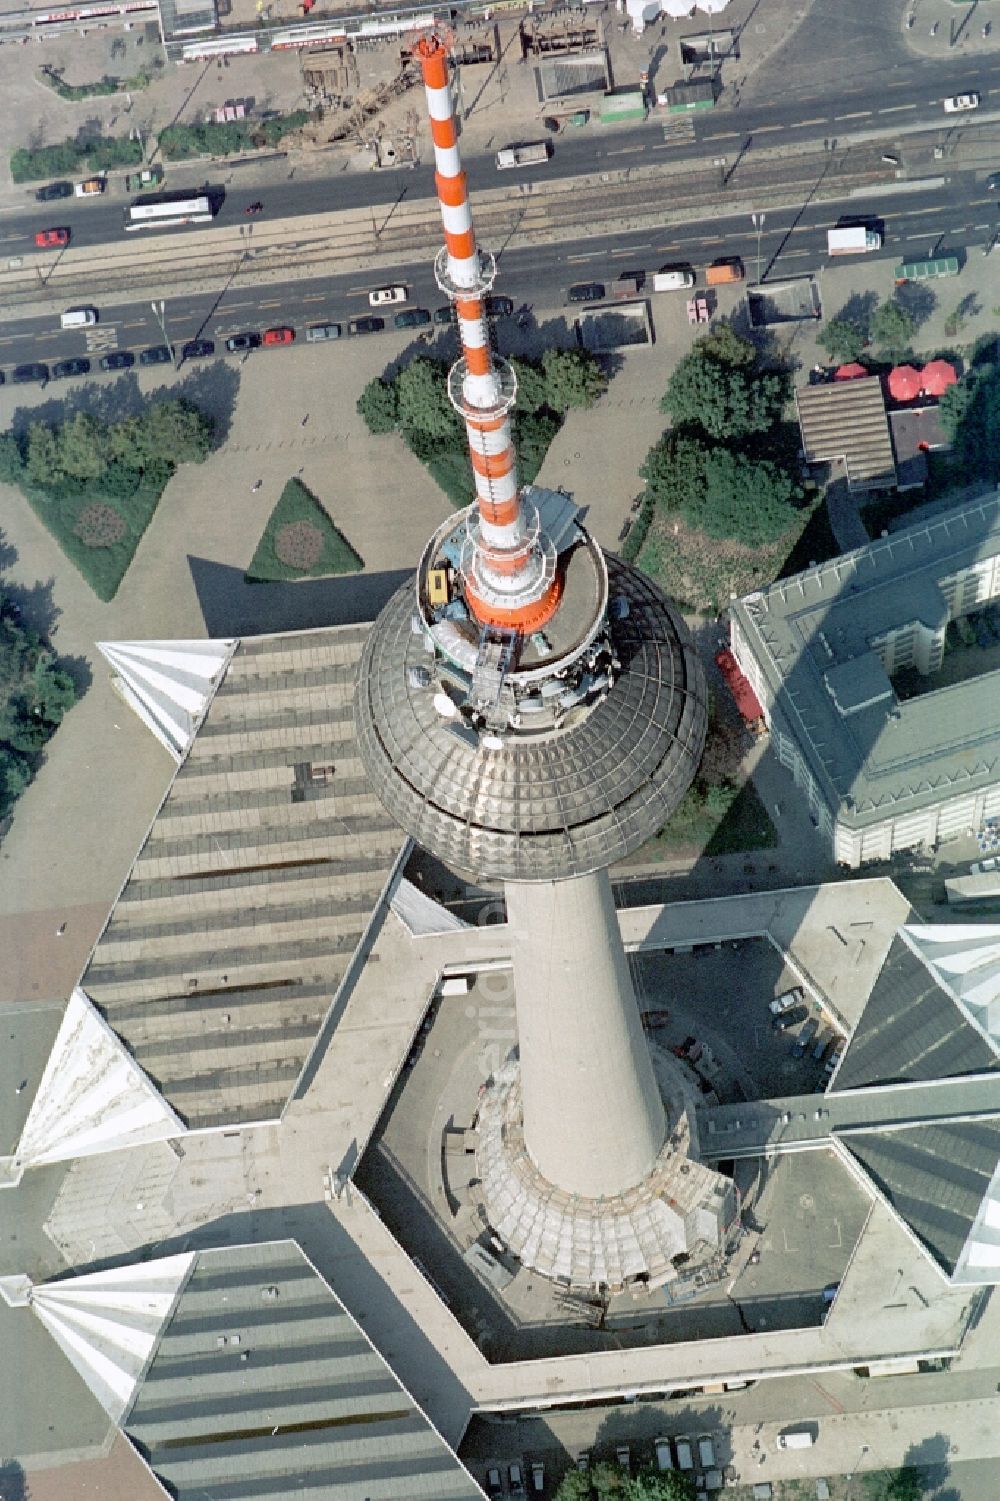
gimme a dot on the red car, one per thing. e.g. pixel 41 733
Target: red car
pixel 46 237
pixel 278 336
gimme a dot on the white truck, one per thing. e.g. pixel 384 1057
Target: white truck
pixel 532 154
pixel 852 239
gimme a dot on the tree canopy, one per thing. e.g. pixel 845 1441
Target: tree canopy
pixel 970 415
pixel 571 378
pixel 35 694
pixel 608 1482
pixel 721 388
pixel 892 328
pixel 842 341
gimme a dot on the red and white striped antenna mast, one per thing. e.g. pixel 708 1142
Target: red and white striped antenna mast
pixel 509 570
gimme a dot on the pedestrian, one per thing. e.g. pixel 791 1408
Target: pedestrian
pixel 60 930
pixel 256 487
pixel 305 419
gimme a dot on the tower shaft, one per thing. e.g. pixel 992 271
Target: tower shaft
pixel 593 1118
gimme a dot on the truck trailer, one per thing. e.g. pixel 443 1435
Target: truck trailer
pixel 852 239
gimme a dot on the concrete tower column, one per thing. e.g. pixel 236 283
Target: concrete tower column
pixel 593 1118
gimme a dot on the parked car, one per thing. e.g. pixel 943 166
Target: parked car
pixel 624 1458
pixel 833 1060
pixel 160 354
pixel 788 1019
pixel 538 1477
pixel 494 1485
pixel 805 1037
pixel 500 307
pixel 992 183
pixel 959 102
pixel 786 1000
pixel 197 349
pixel 586 291
pixel 118 359
pixel 664 1454
pixel 706 1452
pixel 685 1453
pixel 583 1460
pixel 516 1481
pixel 46 237
pixel 822 1046
pixel 90 188
pixel 984 867
pixel 53 190
pixel 320 331
pixel 24 374
pixel 237 343
pixel 443 314
pixel 384 296
pixel 278 336
pixel 65 368
pixel 412 318
pixel 366 325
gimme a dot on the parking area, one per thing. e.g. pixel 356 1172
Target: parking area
pixel 720 995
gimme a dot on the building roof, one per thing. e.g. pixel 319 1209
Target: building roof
pixel 911 1029
pixel 936 1178
pixel 237 1372
pixel 890 757
pixel 245 903
pixel 846 421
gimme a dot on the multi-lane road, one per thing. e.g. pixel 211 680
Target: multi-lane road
pixel 744 148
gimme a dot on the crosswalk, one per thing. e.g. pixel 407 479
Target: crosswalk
pixel 678 130
pixel 102 338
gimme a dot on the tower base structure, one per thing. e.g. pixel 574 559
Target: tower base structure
pixel 578 1174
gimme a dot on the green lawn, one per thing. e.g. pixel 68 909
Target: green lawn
pixel 300 541
pixel 99 531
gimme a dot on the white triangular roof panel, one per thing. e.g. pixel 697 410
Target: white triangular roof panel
pixel 108 1324
pixel 169 684
pixel 964 959
pixel 93 1096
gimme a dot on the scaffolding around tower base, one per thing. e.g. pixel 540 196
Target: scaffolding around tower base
pixel 682 1211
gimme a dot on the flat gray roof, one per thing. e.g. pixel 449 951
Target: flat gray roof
pixel 889 758
pixel 254 884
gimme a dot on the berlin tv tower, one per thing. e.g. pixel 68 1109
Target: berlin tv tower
pixel 532 711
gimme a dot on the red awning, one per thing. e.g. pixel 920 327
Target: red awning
pixel 904 383
pixel 936 377
pixel 849 372
pixel 743 694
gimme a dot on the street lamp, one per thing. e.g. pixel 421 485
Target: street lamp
pixel 850 1479
pixel 160 314
pixel 757 220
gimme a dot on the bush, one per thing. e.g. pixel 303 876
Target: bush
pixel 47 161
pixel 113 151
pixel 228 139
pixel 378 406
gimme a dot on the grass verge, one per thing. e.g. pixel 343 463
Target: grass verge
pixel 300 541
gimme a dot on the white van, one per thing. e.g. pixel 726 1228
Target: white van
pixel 78 317
pixel 685 1454
pixel 673 279
pixel 801 1438
pixel 706 1452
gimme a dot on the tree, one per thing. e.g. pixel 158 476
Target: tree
pixel 424 407
pixel 903 1484
pixel 573 378
pixel 531 385
pixel 43 464
pixel 378 406
pixel 176 432
pixel 655 1485
pixel 83 446
pixel 970 414
pixel 892 328
pixel 716 388
pixel 575 1486
pixel 842 341
pixel 11 462
pixel 748 500
pixel 674 471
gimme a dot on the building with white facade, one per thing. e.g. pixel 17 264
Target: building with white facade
pixel 820 650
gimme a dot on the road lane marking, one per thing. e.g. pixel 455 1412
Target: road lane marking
pixel 862 114
pixel 894 109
